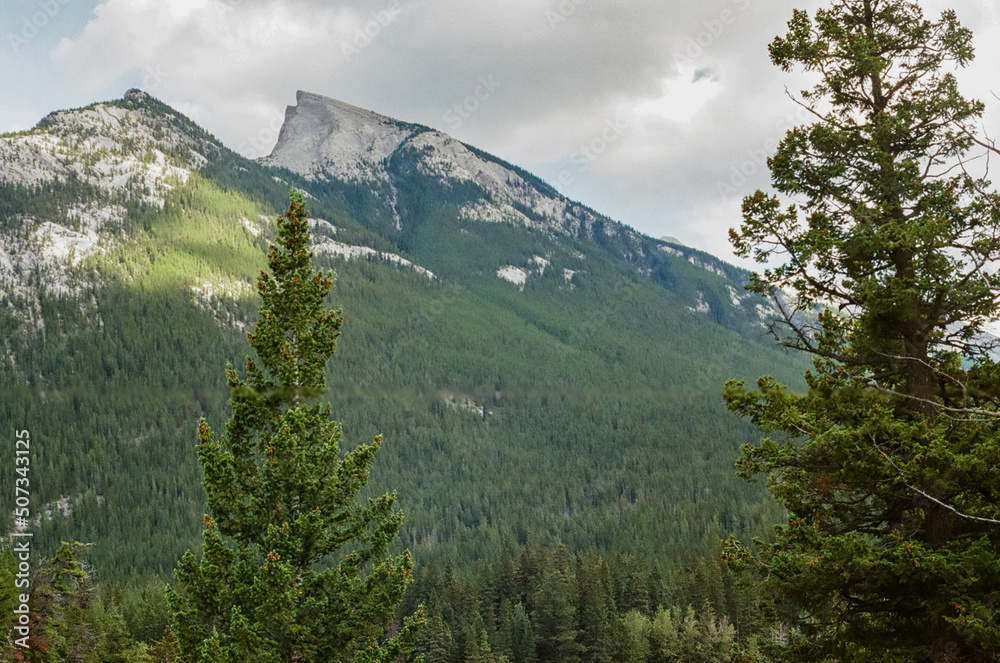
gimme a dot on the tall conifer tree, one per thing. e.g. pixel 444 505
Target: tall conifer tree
pixel 294 567
pixel 888 465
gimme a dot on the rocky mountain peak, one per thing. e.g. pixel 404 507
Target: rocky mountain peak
pixel 345 141
pixel 128 148
pixel 327 139
pixel 135 94
pixel 330 139
pixel 96 161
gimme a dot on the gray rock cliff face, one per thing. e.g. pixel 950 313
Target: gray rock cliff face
pixel 125 151
pixel 323 138
pixel 326 138
pixel 346 142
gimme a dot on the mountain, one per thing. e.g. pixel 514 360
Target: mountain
pixel 537 368
pixel 364 160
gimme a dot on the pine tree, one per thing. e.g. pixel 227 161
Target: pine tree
pixel 636 637
pixel 284 501
pixel 436 642
pixel 888 465
pixel 522 635
pixel 553 611
pixel 504 645
pixel 61 618
pixel 597 611
pixel 164 650
pixel 477 644
pixel 632 584
pixel 114 643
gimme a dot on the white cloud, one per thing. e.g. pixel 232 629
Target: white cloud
pixel 684 96
pixel 233 65
pixel 229 66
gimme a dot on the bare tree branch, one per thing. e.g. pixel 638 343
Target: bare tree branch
pixel 940 503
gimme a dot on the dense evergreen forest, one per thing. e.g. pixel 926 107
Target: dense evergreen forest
pixel 590 434
pixel 586 411
pixel 561 449
pixel 536 603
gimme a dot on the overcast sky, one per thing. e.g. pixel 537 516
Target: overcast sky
pixel 646 110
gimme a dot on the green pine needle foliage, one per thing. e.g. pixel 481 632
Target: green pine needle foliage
pixel 294 567
pixel 888 464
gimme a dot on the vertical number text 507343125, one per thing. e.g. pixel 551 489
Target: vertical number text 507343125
pixel 21 536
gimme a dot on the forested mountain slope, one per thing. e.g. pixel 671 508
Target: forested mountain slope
pixel 536 368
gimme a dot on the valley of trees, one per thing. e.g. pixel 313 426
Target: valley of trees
pixel 565 474
pixel 238 603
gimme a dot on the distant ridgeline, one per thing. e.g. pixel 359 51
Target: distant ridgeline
pixel 537 369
